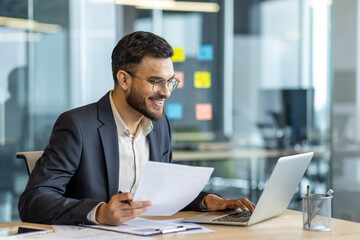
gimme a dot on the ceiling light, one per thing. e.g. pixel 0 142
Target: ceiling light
pixel 29 25
pixel 170 5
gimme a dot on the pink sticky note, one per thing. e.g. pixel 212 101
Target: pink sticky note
pixel 203 111
pixel 180 76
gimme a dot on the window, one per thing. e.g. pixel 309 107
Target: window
pixel 255 82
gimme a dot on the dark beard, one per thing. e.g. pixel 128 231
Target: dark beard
pixel 138 102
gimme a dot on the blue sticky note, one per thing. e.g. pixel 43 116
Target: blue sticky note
pixel 206 53
pixel 174 110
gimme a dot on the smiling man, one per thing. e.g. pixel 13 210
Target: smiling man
pixel 96 153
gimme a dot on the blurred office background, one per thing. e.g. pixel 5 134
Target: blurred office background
pixel 260 79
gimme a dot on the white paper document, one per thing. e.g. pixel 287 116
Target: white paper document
pixel 170 187
pixel 147 227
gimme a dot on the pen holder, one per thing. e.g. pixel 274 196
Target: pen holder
pixel 317 217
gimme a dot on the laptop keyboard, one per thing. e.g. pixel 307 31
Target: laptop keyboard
pixel 235 217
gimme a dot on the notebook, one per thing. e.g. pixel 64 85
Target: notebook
pixel 273 201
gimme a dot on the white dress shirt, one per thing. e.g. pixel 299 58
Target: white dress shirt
pixel 134 152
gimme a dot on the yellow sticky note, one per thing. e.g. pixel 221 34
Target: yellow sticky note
pixel 202 79
pixel 203 111
pixel 179 55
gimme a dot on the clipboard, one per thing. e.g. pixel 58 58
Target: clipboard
pixel 147 227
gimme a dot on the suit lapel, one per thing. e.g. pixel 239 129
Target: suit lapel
pixel 109 139
pixel 154 140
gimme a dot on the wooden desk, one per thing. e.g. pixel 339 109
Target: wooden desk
pixel 287 226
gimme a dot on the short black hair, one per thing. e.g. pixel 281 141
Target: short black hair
pixel 132 48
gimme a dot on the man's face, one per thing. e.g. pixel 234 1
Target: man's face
pixel 141 96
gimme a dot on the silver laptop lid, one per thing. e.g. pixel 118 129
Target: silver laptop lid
pixel 281 186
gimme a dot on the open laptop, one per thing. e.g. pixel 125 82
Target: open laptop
pixel 273 201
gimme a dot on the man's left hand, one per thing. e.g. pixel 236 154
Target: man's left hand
pixel 216 203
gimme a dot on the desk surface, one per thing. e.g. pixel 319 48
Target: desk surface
pixel 286 226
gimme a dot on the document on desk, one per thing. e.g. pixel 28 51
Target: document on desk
pixel 147 227
pixel 170 187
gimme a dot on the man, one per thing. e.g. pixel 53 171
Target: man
pixel 97 151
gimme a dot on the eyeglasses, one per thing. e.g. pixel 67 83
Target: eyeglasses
pixel 158 85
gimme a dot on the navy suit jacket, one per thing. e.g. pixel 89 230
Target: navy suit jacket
pixel 80 166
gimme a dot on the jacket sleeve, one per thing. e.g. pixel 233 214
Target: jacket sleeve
pixel 44 199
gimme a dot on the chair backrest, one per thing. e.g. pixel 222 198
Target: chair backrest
pixel 30 158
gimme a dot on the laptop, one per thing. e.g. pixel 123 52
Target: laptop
pixel 273 201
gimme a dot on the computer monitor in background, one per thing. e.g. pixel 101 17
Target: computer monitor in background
pixel 288 112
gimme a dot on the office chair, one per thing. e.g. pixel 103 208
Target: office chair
pixel 30 158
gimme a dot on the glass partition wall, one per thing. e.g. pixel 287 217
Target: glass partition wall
pixel 281 91
pixel 255 82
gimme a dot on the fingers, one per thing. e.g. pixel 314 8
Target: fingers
pixel 134 205
pixel 126 200
pixel 242 203
pixel 217 203
pixel 235 203
pixel 121 215
pixel 124 196
pixel 247 203
pixel 132 212
pixel 117 211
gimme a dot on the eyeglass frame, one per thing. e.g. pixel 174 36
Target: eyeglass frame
pixel 174 80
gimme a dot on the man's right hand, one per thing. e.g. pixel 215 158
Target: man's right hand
pixel 117 211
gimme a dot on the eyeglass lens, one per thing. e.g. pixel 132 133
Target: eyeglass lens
pixel 171 85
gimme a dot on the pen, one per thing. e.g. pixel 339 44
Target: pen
pixel 171 229
pixel 318 207
pixel 125 201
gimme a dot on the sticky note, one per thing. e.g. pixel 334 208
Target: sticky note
pixel 180 76
pixel 174 110
pixel 179 55
pixel 206 52
pixel 203 111
pixel 202 79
